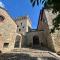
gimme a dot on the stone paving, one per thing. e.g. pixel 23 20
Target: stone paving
pixel 31 54
pixel 34 52
pixel 22 56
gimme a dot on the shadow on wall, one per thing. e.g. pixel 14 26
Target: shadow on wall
pixel 22 56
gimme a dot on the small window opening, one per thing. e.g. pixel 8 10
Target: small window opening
pixel 17 25
pixel 6 44
pixel 19 29
pixel 1 18
pixel 21 24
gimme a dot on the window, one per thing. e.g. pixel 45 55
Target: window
pixel 21 24
pixel 45 20
pixel 0 34
pixel 17 42
pixel 35 40
pixel 29 29
pixel 6 45
pixel 1 18
pixel 17 25
pixel 19 29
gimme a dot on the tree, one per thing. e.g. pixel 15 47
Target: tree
pixel 48 4
pixel 36 2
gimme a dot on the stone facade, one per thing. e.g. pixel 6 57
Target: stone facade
pixel 23 24
pixel 7 31
pixel 39 39
pixel 44 26
pixel 1 42
pixel 35 38
pixel 53 38
pixel 10 36
pixel 56 34
pixel 17 34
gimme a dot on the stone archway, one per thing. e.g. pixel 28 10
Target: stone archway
pixel 35 40
pixel 17 41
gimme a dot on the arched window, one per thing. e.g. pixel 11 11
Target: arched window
pixel 1 18
pixel 17 42
pixel 35 40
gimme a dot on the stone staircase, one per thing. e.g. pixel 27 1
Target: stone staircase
pixel 23 57
pixel 35 52
pixel 29 54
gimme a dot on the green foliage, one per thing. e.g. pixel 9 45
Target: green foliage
pixel 55 5
pixel 36 2
pixel 56 22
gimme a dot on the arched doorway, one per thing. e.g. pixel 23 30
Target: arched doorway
pixel 35 40
pixel 17 42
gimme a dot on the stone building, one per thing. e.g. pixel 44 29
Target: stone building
pixel 44 26
pixel 12 33
pixel 23 24
pixel 56 35
pixel 34 38
pixel 40 37
pixel 8 33
pixel 52 39
pixel 19 33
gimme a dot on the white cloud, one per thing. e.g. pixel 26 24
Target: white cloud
pixel 1 4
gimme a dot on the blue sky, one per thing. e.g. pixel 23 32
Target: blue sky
pixel 18 8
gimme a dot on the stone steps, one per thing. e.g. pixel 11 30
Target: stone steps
pixel 29 54
pixel 23 57
pixel 34 52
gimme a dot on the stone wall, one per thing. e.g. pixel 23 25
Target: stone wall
pixel 7 30
pixel 56 41
pixel 30 35
pixel 49 41
pixel 22 25
pixel 56 35
pixel 1 41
